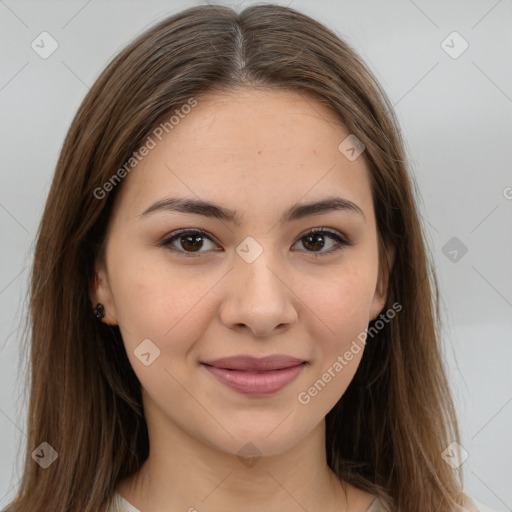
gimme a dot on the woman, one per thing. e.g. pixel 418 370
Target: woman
pixel 232 305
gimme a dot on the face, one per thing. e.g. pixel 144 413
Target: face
pixel 258 277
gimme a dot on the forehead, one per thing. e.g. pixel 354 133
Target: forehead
pixel 264 148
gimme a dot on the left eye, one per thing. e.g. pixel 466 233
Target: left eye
pixel 316 239
pixel 192 240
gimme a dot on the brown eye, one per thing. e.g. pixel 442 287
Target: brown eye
pixel 315 240
pixel 191 242
pixel 187 242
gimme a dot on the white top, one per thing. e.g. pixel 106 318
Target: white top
pixel 121 505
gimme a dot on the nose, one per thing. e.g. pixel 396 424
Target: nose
pixel 259 299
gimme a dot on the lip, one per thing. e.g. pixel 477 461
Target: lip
pixel 255 376
pixel 246 362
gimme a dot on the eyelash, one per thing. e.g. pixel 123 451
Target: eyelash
pixel 341 242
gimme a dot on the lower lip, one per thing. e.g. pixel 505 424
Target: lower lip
pixel 253 383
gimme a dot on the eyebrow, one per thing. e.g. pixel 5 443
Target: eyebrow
pixel 207 209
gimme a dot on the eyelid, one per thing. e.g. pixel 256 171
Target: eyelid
pixel 175 235
pixel 340 238
pixel 321 230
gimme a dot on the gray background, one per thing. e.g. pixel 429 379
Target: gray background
pixel 456 118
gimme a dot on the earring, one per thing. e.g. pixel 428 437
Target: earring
pixel 99 311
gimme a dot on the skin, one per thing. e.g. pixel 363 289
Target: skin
pixel 259 153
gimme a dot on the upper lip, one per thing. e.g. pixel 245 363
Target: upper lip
pixel 250 363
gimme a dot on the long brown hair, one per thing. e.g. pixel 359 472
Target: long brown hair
pixel 387 432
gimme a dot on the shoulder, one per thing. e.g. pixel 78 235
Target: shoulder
pixel 470 505
pixel 376 506
pixel 119 504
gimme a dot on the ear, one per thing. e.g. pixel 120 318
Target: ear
pixel 99 291
pixel 381 289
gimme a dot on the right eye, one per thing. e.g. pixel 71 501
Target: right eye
pixel 190 240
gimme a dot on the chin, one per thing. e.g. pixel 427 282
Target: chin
pixel 259 443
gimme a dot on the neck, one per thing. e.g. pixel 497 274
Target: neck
pixel 181 473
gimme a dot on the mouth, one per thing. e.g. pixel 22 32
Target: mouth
pixel 255 376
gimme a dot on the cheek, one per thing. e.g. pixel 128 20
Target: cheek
pixel 343 306
pixel 158 303
pixel 342 303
